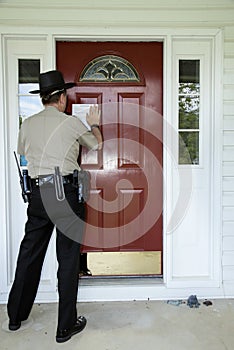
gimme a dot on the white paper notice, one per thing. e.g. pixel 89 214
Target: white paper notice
pixel 80 111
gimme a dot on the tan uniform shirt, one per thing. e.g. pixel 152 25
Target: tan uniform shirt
pixel 52 138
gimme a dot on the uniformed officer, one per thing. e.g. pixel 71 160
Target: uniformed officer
pixel 51 139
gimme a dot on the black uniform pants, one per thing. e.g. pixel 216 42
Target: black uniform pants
pixel 44 213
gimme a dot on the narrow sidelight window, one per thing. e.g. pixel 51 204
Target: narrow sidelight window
pixel 189 111
pixel 28 74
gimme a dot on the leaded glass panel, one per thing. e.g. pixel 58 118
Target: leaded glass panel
pixel 109 68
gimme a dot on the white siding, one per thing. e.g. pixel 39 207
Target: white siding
pixel 228 159
pixel 119 13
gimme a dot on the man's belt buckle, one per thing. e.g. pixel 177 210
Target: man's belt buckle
pixel 44 180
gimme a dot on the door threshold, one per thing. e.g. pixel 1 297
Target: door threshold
pixel 121 280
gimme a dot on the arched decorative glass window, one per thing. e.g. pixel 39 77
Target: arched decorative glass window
pixel 109 68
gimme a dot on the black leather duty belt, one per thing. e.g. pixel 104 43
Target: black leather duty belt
pixel 49 179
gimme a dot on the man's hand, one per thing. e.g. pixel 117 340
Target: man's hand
pixel 93 117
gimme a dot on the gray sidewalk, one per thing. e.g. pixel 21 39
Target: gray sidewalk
pixel 148 325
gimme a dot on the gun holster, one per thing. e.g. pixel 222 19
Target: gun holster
pixel 81 180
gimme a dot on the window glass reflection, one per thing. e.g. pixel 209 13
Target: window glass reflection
pixel 189 111
pixel 28 104
pixel 29 70
pixel 24 88
pixel 188 147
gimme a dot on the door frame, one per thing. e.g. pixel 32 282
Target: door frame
pixel 164 288
pixel 167 38
pixel 165 107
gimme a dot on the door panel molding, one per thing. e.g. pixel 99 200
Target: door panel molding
pixel 130 130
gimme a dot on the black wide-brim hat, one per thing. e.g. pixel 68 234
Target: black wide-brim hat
pixel 50 82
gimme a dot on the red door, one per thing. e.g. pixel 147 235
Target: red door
pixel 125 206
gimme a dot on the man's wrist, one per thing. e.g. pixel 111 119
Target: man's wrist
pixel 94 126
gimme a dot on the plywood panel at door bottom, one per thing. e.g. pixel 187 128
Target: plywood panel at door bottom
pixel 124 263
